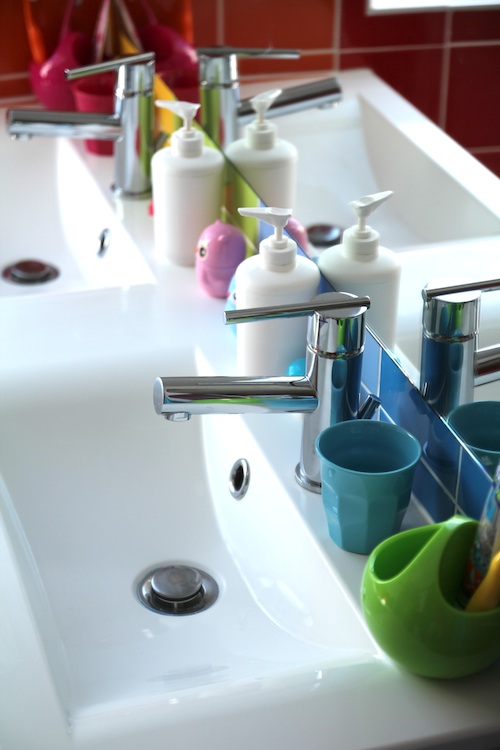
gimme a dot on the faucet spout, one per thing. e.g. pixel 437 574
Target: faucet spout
pixel 239 395
pixel 26 123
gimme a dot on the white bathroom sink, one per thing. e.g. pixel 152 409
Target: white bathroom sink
pixel 97 490
pixel 52 210
pixel 375 140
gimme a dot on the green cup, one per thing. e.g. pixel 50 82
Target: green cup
pixel 408 594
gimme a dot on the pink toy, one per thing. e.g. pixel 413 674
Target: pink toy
pixel 298 233
pixel 221 248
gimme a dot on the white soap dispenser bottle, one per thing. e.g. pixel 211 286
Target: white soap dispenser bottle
pixel 276 275
pixel 363 267
pixel 268 163
pixel 187 188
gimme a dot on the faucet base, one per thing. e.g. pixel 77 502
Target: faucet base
pixel 119 192
pixel 306 482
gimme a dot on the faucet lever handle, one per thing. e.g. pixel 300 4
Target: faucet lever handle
pixel 328 305
pixel 219 65
pixel 436 289
pixel 146 58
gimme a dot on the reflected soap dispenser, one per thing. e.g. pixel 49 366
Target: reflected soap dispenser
pixel 276 275
pixel 268 163
pixel 187 188
pixel 360 265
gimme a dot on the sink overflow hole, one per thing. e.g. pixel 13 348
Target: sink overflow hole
pixel 239 478
pixel 104 242
pixel 177 590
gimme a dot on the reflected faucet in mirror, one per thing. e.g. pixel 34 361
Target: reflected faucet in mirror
pixel 329 392
pixel 451 363
pixel 222 110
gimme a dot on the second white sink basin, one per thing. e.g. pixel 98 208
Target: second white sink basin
pixel 56 214
pixel 375 140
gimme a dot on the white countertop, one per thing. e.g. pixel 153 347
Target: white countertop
pixel 373 704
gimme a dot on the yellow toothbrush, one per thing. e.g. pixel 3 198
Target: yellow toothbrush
pixel 487 595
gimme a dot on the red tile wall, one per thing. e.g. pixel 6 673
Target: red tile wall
pixel 447 63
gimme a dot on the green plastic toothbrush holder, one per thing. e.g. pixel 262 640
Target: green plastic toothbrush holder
pixel 408 594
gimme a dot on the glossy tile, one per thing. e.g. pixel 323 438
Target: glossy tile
pixel 307 62
pixel 204 22
pixel 473 115
pixel 475 25
pixel 14 51
pixel 414 73
pixel 280 23
pixel 474 487
pixel 362 30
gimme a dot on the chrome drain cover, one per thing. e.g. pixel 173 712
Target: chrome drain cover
pixel 177 590
pixel 30 272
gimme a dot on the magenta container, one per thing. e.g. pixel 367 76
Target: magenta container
pixel 96 94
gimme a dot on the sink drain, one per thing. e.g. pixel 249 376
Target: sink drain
pixel 30 272
pixel 177 590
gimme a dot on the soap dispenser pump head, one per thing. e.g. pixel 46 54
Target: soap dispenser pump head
pixel 262 102
pixel 361 241
pixel 366 206
pixel 278 252
pixel 187 141
pixel 261 134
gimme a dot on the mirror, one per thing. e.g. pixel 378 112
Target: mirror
pixel 444 216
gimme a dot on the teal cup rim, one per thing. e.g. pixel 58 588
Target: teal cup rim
pixel 459 420
pixel 373 426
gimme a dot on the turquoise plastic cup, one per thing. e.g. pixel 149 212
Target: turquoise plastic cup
pixel 478 424
pixel 367 471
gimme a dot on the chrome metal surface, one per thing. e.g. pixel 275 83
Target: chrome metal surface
pixel 222 111
pixel 130 126
pixel 451 364
pixel 177 590
pixel 438 290
pixel 328 393
pixel 487 365
pixel 239 479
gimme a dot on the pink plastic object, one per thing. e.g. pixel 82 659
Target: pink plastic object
pixel 96 94
pixel 48 81
pixel 176 61
pixel 220 250
pixel 298 233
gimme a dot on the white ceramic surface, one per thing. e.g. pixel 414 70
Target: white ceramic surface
pixel 53 211
pixel 444 216
pixel 96 489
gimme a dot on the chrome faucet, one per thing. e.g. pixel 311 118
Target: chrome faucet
pixel 130 126
pixel 328 393
pixel 222 111
pixel 451 363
